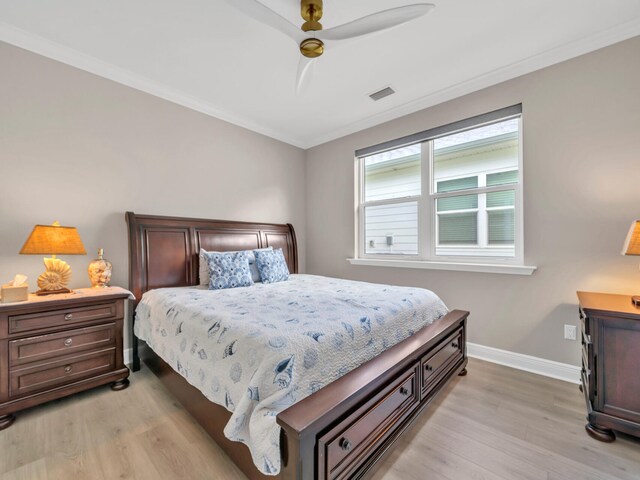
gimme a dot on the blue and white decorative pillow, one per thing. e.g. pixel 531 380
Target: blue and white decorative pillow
pixel 229 270
pixel 204 264
pixel 271 265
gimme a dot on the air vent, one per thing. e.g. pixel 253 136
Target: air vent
pixel 380 94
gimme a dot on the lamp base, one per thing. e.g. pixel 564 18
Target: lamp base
pixel 636 300
pixel 52 292
pixel 55 278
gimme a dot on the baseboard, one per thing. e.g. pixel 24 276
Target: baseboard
pixel 128 356
pixel 541 366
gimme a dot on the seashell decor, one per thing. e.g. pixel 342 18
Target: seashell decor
pixel 56 276
pixel 100 271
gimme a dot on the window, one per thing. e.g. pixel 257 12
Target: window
pixel 451 194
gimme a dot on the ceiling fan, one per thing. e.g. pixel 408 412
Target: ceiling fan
pixel 311 37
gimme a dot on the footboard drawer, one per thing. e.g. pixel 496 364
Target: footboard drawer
pixel 435 365
pixel 344 448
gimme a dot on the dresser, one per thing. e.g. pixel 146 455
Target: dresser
pixel 610 327
pixel 58 345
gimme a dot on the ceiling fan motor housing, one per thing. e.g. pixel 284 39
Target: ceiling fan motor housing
pixel 311 12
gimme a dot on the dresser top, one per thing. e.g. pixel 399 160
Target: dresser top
pixel 592 302
pixel 78 294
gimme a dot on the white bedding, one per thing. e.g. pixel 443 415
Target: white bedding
pixel 257 350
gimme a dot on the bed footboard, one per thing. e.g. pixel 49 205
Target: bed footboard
pixel 346 428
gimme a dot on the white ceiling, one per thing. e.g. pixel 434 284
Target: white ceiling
pixel 206 55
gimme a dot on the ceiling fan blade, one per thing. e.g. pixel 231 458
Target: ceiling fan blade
pixel 305 72
pixel 375 22
pixel 263 14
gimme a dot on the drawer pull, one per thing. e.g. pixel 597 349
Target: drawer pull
pixel 68 342
pixel 68 316
pixel 345 444
pixel 455 345
pixel 67 369
pixel 428 368
pixel 404 391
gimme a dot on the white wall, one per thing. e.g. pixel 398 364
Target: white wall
pixel 581 139
pixel 83 150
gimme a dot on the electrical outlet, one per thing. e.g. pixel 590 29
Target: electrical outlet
pixel 570 332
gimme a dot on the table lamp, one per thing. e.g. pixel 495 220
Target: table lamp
pixel 632 247
pixel 53 240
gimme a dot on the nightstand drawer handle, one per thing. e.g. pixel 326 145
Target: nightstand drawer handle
pixel 67 369
pixel 455 345
pixel 68 316
pixel 404 391
pixel 428 368
pixel 68 342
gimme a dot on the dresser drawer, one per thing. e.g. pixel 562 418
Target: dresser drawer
pixel 435 365
pixel 55 319
pixel 60 372
pixel 343 449
pixel 42 347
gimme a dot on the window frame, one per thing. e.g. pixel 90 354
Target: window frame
pixel 426 201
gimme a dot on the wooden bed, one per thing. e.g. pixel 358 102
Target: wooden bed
pixel 344 429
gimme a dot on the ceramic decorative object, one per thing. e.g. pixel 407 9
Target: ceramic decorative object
pixel 100 271
pixel 56 276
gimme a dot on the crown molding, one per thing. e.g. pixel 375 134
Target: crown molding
pixel 36 44
pixel 545 59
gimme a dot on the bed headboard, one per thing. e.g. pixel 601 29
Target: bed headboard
pixel 163 251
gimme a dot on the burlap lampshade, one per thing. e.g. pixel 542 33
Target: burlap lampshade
pixel 632 243
pixel 53 240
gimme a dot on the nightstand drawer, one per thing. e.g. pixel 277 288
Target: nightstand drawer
pixel 42 347
pixel 54 319
pixel 60 372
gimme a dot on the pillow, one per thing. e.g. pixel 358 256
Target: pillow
pixel 272 265
pixel 204 265
pixel 229 270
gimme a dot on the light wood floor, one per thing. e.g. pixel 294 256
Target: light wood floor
pixel 495 423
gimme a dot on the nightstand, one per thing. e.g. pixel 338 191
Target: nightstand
pixel 610 363
pixel 58 345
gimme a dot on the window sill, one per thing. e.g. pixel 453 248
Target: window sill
pixel 459 267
